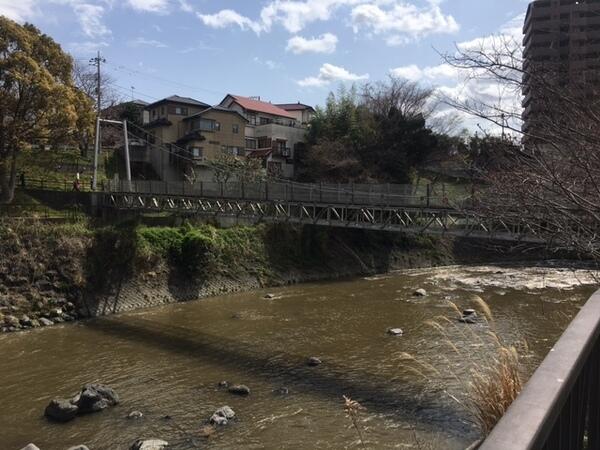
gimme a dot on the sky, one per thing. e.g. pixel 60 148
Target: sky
pixel 281 50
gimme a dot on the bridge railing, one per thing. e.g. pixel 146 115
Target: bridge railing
pixel 559 407
pixel 358 194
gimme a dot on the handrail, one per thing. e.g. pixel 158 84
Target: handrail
pixel 559 408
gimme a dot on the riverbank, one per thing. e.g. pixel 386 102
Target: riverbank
pixel 51 273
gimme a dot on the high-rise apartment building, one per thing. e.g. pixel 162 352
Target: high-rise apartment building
pixel 562 46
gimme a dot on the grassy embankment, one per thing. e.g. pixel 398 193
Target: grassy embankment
pixel 46 261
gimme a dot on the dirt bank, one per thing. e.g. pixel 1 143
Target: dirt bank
pixel 53 273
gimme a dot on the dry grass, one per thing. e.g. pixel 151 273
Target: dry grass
pixel 494 387
pixel 353 409
pixel 492 367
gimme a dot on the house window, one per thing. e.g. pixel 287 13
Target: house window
pixel 196 152
pixel 251 144
pixel 235 128
pixel 162 110
pixel 209 125
pixel 252 119
pixel 153 113
pixel 264 142
pixel 265 121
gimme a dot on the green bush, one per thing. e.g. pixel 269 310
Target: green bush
pixel 198 252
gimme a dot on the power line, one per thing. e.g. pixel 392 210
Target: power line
pixel 122 68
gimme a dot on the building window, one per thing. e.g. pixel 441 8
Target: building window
pixel 207 125
pixel 181 111
pixel 235 128
pixel 153 113
pixel 252 119
pixel 265 121
pixel 264 142
pixel 162 110
pixel 196 152
pixel 251 144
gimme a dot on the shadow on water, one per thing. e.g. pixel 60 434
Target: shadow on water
pixel 331 379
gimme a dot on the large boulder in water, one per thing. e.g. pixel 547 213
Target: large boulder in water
pixel 61 410
pixel 149 444
pixel 222 416
pixel 94 398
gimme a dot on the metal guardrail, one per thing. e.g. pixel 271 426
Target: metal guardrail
pixel 559 407
pixel 53 185
pixel 339 194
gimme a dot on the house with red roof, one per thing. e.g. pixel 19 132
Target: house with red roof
pixel 273 133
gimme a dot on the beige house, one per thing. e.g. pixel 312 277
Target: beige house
pixel 209 133
pixel 165 128
pixel 272 133
pixel 303 113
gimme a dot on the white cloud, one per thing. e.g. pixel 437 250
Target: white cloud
pixel 270 64
pixel 401 21
pixel 185 6
pixel 398 21
pixel 295 15
pixel 90 18
pixel 156 6
pixel 141 42
pixel 329 73
pixel 18 10
pixel 227 17
pixel 86 48
pixel 411 72
pixel 326 43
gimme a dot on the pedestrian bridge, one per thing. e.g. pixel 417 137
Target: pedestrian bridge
pixel 387 207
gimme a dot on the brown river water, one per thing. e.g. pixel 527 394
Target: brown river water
pixel 169 361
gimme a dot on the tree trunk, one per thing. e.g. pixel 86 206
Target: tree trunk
pixel 8 178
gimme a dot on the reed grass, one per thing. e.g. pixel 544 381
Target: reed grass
pixel 492 377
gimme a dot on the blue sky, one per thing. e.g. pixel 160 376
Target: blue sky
pixel 281 50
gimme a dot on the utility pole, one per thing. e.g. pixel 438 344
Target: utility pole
pixel 97 61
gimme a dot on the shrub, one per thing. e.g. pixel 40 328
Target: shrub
pixel 198 252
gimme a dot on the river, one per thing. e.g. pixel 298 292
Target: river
pixel 168 362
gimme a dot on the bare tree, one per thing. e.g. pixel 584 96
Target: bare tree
pixel 551 180
pixel 85 78
pixel 405 96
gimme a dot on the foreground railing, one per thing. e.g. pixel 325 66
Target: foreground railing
pixel 559 407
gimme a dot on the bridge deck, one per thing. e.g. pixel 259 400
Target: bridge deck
pixel 378 207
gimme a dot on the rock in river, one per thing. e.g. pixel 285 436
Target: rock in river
pixel 396 331
pixel 314 361
pixel 420 293
pixel 469 317
pixel 95 397
pixel 149 444
pixel 79 447
pixel 61 410
pixel 135 415
pixel 239 389
pixel 31 447
pixel 222 416
pixel 45 322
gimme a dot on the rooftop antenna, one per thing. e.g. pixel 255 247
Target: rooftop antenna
pixel 132 91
